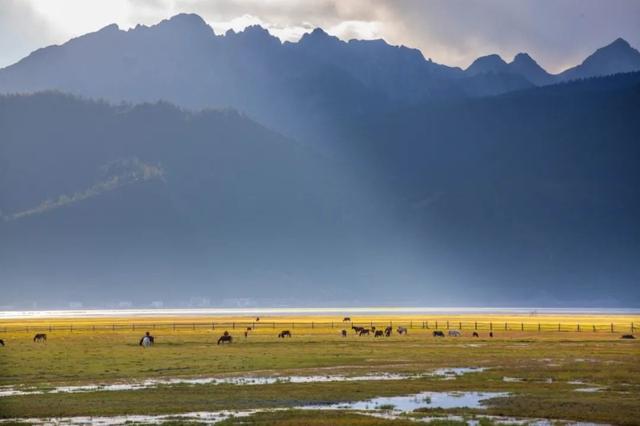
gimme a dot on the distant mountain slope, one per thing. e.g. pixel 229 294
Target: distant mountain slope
pixel 539 186
pixel 517 199
pixel 97 202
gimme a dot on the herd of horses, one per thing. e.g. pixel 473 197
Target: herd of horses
pixel 148 340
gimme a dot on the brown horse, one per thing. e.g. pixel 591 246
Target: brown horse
pixel 284 333
pixel 388 331
pixel 475 334
pixel 40 337
pixel 346 319
pixel 438 333
pixel 344 333
pixel 363 331
pixel 378 333
pixel 225 338
pixel 402 330
pixel 1 342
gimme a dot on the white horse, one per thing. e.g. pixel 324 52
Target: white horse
pixel 454 333
pixel 147 340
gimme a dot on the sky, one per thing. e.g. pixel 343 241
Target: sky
pixel 557 33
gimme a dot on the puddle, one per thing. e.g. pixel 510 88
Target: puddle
pixel 409 403
pixel 452 373
pixel 444 373
pixel 589 389
pixel 513 379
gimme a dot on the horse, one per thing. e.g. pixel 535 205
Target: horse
pixel 357 329
pixel 346 319
pixel 628 336
pixel 344 333
pixel 438 333
pixel 454 333
pixel 491 334
pixel 40 337
pixel 147 340
pixel 388 331
pixel 225 338
pixel 402 330
pixel 378 333
pixel 284 333
pixel 475 334
pixel 363 331
pixel 1 342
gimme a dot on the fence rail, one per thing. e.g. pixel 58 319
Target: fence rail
pixel 324 325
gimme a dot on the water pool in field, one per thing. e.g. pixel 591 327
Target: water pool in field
pixel 443 373
pixel 409 403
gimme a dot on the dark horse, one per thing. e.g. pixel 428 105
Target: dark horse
pixel 438 333
pixel 284 333
pixel 475 334
pixel 363 331
pixel 628 336
pixel 1 342
pixel 346 319
pixel 378 333
pixel 344 333
pixel 388 331
pixel 40 337
pixel 225 338
pixel 357 329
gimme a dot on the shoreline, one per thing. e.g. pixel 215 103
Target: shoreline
pixel 319 312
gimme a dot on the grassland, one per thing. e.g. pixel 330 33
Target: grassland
pixel 547 365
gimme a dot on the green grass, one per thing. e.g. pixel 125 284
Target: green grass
pixel 105 357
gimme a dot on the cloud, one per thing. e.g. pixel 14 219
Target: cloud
pixel 21 31
pixel 557 33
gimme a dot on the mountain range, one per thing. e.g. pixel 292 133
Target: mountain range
pixel 240 169
pixel 181 60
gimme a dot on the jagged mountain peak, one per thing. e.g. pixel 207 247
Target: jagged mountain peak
pixel 487 64
pixel 616 57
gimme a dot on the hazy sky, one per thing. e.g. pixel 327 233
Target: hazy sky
pixel 557 33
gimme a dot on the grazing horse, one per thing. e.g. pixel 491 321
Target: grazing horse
pixel 346 319
pixel 454 333
pixel 388 331
pixel 344 333
pixel 1 342
pixel 402 330
pixel 284 333
pixel 147 340
pixel 357 329
pixel 225 338
pixel 475 334
pixel 363 331
pixel 438 333
pixel 40 337
pixel 628 336
pixel 378 333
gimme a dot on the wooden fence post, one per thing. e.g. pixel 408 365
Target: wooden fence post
pixel 447 325
pixel 475 325
pixel 490 326
pixel 538 327
pixel 612 327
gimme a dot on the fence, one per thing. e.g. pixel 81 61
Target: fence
pixel 319 327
